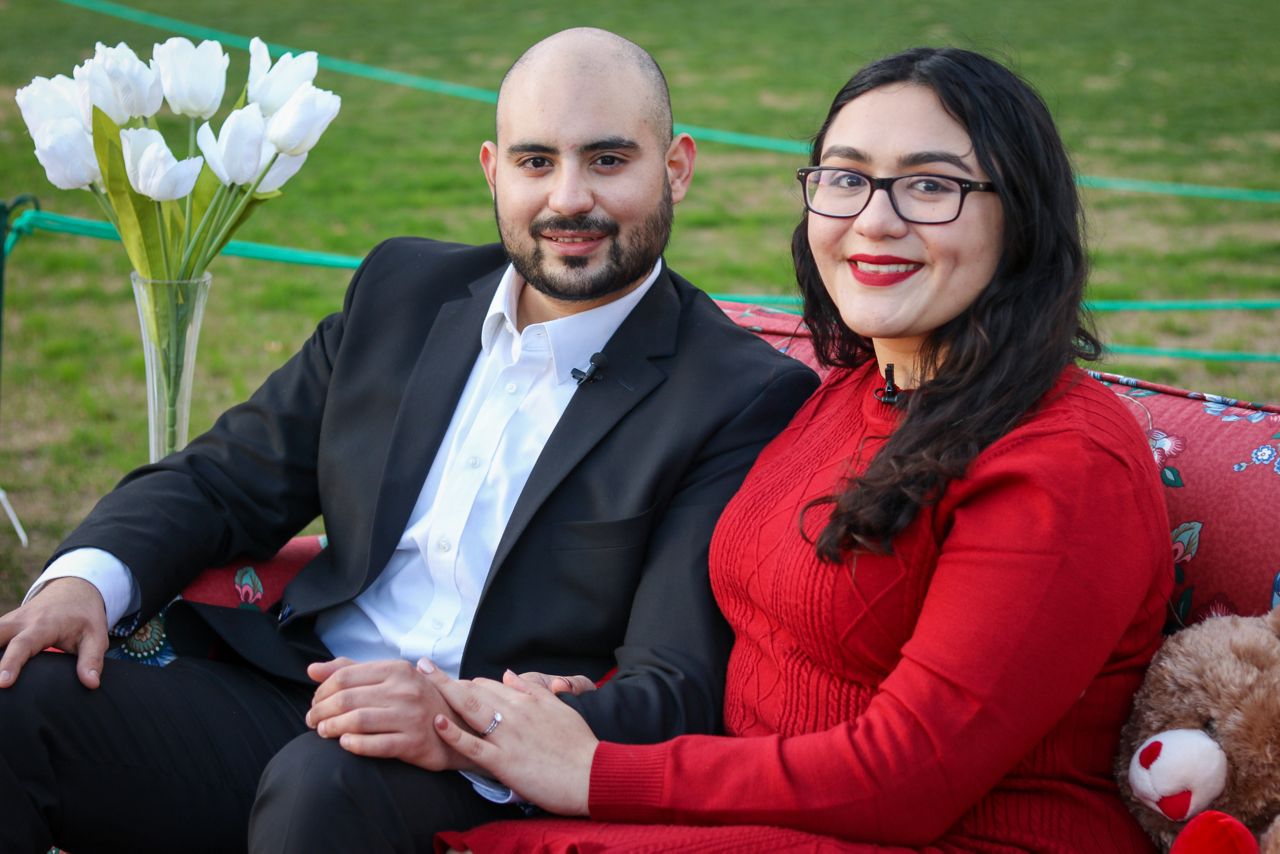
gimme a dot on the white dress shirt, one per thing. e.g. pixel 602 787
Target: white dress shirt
pixel 424 600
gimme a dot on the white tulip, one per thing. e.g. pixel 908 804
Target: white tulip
pixel 44 101
pixel 193 78
pixel 285 167
pixel 297 127
pixel 235 155
pixel 118 83
pixel 153 171
pixel 270 87
pixel 65 150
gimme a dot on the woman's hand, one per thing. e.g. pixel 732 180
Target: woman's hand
pixel 526 737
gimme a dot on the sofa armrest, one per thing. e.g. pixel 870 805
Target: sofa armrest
pixel 254 584
pixel 1219 460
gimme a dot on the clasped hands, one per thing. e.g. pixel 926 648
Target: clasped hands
pixel 392 709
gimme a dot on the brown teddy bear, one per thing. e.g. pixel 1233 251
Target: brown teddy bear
pixel 1201 750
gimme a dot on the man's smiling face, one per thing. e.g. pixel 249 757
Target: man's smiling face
pixel 582 177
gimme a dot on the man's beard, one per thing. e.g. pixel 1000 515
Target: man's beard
pixel 624 264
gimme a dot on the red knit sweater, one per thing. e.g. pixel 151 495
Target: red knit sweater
pixel 964 693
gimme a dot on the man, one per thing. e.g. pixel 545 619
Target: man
pixel 519 466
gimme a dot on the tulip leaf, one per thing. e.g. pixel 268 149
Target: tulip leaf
pixel 206 185
pixel 136 216
pixel 253 204
pixel 173 219
pixel 205 202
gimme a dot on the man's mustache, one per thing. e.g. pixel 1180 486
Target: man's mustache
pixel 594 224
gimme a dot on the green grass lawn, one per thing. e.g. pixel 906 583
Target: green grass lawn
pixel 1183 92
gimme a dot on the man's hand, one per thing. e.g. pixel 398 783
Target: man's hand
pixel 384 709
pixel 67 613
pixel 575 685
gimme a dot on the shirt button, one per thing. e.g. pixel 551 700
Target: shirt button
pixel 473 462
pixel 444 545
pixel 511 388
pixel 437 625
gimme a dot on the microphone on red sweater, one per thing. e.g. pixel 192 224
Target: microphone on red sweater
pixel 890 393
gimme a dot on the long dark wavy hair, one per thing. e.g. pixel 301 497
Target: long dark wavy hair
pixel 985 369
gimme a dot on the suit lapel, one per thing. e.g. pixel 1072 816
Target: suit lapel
pixel 430 398
pixel 630 374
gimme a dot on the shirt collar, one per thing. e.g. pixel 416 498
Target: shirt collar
pixel 573 339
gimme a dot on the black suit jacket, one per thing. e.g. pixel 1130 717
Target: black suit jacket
pixel 603 563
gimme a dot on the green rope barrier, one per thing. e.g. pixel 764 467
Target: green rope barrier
pixel 1203 355
pixel 8 231
pixel 342 66
pixel 31 220
pixel 1108 305
pixel 784 302
pixel 7 208
pixel 742 140
pixel 1167 188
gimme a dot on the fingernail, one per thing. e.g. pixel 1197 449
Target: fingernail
pixel 4 677
pixel 93 673
pixel 508 672
pixel 320 730
pixel 425 665
pixel 441 722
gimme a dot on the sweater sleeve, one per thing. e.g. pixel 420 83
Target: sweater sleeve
pixel 1050 550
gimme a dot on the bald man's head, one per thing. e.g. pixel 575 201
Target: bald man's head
pixel 585 170
pixel 595 54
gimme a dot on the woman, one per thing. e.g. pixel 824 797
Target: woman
pixel 946 576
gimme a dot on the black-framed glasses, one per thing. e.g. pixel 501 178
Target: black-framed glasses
pixel 923 199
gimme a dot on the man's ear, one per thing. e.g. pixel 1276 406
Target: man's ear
pixel 680 156
pixel 489 163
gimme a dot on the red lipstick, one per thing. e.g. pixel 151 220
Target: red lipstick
pixel 881 271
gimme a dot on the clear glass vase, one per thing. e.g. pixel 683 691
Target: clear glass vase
pixel 170 313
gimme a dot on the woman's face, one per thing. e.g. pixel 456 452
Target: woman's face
pixel 894 281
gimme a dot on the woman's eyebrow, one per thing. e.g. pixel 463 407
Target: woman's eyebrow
pixel 907 161
pixel 845 152
pixel 923 158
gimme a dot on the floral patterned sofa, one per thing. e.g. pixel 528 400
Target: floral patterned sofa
pixel 1219 460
